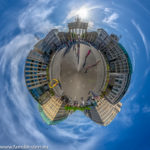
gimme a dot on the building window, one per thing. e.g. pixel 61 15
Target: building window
pixel 28 68
pixel 35 65
pixel 27 72
pixel 29 60
pixel 27 64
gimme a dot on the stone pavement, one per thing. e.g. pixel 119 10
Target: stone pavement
pixel 69 69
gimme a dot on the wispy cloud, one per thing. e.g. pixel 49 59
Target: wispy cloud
pixel 133 58
pixel 128 110
pixel 107 10
pixel 146 109
pixel 36 17
pixel 147 72
pixel 110 20
pixel 141 5
pixel 8 52
pixel 16 105
pixel 143 38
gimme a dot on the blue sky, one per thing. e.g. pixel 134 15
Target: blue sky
pixel 20 120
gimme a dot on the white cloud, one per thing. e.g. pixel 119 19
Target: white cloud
pixel 147 72
pixel 13 48
pixel 133 58
pixel 143 38
pixel 128 110
pixel 141 5
pixel 91 25
pixel 35 17
pixel 146 109
pixel 107 10
pixel 16 93
pixel 110 20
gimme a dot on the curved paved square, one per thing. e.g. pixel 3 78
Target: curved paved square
pixel 80 69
